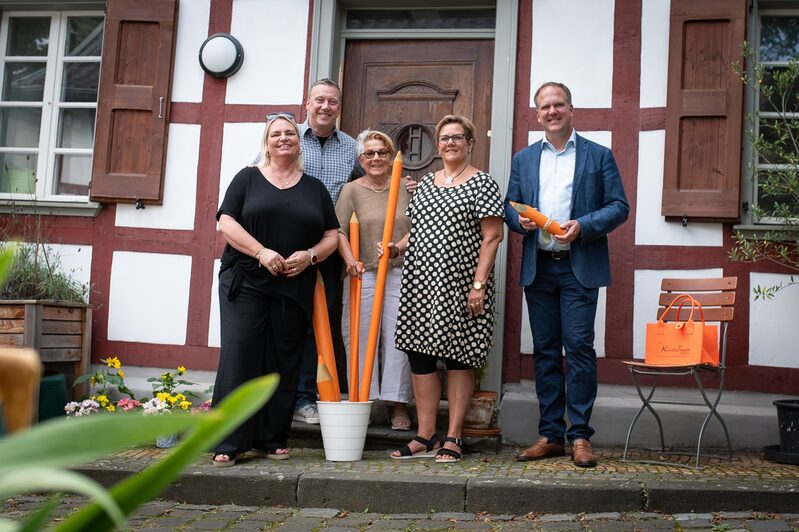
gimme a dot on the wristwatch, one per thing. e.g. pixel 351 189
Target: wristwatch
pixel 477 285
pixel 314 256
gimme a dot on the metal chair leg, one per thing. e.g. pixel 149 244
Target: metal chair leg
pixel 712 406
pixel 646 404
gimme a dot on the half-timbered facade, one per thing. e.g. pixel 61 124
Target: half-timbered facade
pixel 116 140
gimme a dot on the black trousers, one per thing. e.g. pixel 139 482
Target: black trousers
pixel 260 334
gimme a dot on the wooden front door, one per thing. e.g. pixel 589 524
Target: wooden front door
pixel 403 88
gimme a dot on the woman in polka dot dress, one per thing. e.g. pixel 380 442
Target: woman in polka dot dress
pixel 447 296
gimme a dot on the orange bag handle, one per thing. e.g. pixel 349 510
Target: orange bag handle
pixel 694 303
pixel 682 298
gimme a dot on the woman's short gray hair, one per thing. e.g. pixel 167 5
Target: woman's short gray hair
pixel 371 134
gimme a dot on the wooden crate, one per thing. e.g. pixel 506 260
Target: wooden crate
pixel 60 332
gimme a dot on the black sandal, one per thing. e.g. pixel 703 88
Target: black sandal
pixel 448 456
pixel 428 452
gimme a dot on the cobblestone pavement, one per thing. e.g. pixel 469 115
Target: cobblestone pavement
pixel 162 516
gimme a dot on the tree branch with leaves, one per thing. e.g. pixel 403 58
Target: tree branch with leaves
pixel 774 138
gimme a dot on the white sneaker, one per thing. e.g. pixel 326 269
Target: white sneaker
pixel 307 414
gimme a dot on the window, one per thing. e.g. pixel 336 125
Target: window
pixel 776 119
pixel 49 75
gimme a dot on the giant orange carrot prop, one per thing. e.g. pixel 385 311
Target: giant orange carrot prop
pixel 355 309
pixel 540 219
pixel 326 377
pixel 380 282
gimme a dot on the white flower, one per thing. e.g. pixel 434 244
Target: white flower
pixel 83 408
pixel 155 406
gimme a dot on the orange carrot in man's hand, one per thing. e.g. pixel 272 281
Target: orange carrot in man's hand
pixel 538 218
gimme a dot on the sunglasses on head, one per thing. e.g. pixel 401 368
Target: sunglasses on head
pixel 283 114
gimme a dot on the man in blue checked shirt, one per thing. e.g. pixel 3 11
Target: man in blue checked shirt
pixel 328 155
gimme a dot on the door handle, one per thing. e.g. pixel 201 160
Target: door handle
pixel 160 107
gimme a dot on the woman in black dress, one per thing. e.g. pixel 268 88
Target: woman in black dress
pixel 278 222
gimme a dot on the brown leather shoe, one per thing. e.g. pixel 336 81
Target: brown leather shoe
pixel 582 454
pixel 541 449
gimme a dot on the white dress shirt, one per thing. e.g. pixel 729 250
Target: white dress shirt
pixel 555 180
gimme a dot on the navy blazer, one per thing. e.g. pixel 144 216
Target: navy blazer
pixel 598 204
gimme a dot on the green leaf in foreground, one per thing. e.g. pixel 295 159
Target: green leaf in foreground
pixel 66 442
pixel 38 479
pixel 245 401
pixel 7 254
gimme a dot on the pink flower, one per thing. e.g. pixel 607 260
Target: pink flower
pixel 128 404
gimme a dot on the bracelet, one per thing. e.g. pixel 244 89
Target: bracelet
pixel 258 254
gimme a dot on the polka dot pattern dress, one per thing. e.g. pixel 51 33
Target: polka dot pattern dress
pixel 439 269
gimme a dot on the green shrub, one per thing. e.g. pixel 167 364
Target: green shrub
pixel 37 274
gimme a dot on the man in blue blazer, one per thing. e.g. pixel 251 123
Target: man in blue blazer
pixel 577 183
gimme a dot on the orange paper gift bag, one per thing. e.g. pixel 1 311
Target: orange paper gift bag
pixel 682 343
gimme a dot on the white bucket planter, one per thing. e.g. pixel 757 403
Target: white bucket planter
pixel 344 427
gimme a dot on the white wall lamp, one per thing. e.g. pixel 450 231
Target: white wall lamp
pixel 221 55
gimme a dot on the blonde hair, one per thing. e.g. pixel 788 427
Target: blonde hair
pixel 371 134
pixel 468 127
pixel 265 158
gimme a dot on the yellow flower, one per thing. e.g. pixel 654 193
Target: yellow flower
pixel 113 362
pixel 102 399
pixel 181 370
pixel 110 408
pixel 180 397
pixel 165 376
pixel 163 396
pixel 185 405
pixel 92 380
pixel 121 374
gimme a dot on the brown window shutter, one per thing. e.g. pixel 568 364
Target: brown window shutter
pixel 704 113
pixel 133 106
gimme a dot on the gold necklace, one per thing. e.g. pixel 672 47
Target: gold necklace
pixel 378 190
pixel 283 184
pixel 449 179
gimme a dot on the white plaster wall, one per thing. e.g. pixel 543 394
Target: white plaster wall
pixel 654 52
pixel 149 297
pixel 273 34
pixel 600 137
pixel 75 261
pixel 241 143
pixel 573 44
pixel 187 75
pixel 214 338
pixel 646 291
pixel 771 323
pixel 599 326
pixel 650 227
pixel 180 185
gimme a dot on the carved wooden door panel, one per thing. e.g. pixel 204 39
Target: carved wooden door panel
pixel 404 88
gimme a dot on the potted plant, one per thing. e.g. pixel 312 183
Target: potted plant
pixel 43 308
pixel 168 398
pixel 480 419
pixel 775 165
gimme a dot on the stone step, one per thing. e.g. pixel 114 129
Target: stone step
pixel 379 435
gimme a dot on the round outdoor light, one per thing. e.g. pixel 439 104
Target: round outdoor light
pixel 221 55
